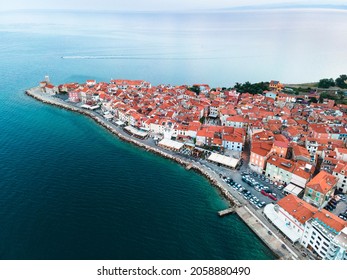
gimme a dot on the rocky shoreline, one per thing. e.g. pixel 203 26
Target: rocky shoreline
pixel 38 95
pixel 275 244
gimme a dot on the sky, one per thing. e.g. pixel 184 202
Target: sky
pixel 150 5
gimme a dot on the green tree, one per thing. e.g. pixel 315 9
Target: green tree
pixel 341 81
pixel 252 88
pixel 195 89
pixel 326 83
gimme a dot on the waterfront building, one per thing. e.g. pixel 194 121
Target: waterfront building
pixel 317 230
pixel 232 142
pixel 322 234
pixel 320 189
pixel 337 249
pixel 74 96
pixel 49 88
pixel 279 169
pixel 289 215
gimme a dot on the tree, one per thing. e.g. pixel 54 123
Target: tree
pixel 313 99
pixel 252 88
pixel 326 83
pixel 195 89
pixel 341 81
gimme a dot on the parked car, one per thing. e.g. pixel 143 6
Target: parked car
pixel 261 204
pixel 263 192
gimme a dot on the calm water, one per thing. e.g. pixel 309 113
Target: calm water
pixel 70 190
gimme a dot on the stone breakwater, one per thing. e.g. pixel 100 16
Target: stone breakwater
pixel 213 178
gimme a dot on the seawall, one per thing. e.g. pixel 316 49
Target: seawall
pixel 250 219
pixel 38 95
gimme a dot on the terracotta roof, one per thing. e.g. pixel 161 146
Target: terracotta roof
pixel 299 209
pixel 281 144
pixel 303 211
pixel 300 151
pixel 322 182
pixel 330 220
pixel 341 166
pixel 236 118
pixel 282 163
pixel 261 148
pixel 280 137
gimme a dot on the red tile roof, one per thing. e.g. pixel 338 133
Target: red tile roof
pixel 322 182
pixel 299 209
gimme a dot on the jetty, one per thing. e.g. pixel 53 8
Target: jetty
pixel 225 212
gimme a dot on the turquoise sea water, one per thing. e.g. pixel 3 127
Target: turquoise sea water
pixel 71 190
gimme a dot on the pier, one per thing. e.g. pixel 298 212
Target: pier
pixel 225 212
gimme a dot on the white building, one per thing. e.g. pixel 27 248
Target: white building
pixel 340 172
pixel 317 230
pixel 235 121
pixel 338 247
pixel 232 142
pixel 279 169
pixel 321 233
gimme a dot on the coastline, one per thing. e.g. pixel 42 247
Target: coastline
pixel 274 243
pixel 193 166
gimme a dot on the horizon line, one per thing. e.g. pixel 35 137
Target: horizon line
pixel 270 7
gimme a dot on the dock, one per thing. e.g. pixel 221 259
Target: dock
pixel 225 212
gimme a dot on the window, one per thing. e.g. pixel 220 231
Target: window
pixel 319 238
pixel 314 233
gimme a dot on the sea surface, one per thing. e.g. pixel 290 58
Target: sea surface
pixel 71 190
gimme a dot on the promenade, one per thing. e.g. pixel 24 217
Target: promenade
pixel 257 222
